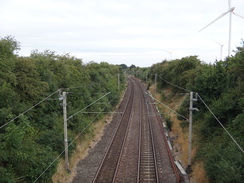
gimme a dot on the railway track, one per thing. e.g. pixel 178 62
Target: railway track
pixel 109 163
pixel 148 161
pixel 138 151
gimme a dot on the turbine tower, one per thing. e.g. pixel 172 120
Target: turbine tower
pixel 221 49
pixel 231 11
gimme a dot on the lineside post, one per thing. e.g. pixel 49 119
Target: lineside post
pixel 65 131
pixel 191 109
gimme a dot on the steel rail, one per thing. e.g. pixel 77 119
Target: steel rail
pixel 139 146
pixel 176 172
pixel 127 110
pixel 154 151
pixel 123 146
pixel 151 138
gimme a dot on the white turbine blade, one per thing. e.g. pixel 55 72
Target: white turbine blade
pixel 238 15
pixel 215 20
pixel 216 42
pixel 229 3
pixel 167 51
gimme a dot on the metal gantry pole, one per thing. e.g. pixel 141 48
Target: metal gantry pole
pixel 65 131
pixel 190 130
pixel 191 109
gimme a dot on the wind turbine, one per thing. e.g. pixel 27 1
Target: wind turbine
pixel 168 52
pixel 231 10
pixel 221 48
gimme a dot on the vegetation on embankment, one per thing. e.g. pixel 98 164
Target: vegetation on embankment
pixel 30 143
pixel 220 86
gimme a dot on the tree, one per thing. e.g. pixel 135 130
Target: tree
pixel 8 47
pixel 29 85
pixel 29 143
pixel 123 66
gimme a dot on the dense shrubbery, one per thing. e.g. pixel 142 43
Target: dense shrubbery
pixel 221 86
pixel 30 143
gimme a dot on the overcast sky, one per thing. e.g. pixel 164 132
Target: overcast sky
pixel 138 32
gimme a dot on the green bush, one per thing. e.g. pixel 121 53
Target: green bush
pixel 30 143
pixel 169 123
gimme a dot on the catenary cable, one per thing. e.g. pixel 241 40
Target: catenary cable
pixel 28 109
pixel 37 105
pixel 175 85
pixel 87 106
pixel 167 106
pixel 88 85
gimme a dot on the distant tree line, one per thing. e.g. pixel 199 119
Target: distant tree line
pixel 31 142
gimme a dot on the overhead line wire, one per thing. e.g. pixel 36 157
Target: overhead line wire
pixel 175 85
pixel 87 106
pixel 92 84
pixel 167 106
pixel 73 141
pixel 29 109
pixel 40 103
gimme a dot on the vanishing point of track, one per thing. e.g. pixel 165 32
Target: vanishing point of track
pixel 138 151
